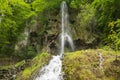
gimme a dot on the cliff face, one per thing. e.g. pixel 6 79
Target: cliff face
pixel 83 35
pixel 43 32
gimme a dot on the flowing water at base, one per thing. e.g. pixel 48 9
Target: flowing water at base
pixel 52 71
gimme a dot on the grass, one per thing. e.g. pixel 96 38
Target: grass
pixel 20 63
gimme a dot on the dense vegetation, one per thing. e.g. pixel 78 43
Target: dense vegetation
pixel 93 20
pixel 13 16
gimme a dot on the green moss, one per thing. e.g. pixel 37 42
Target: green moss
pixel 20 63
pixel 26 73
pixel 84 65
pixel 37 62
pixel 5 67
pixel 11 66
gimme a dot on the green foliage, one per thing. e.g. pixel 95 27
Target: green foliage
pixel 13 16
pixel 37 62
pixel 112 37
pixel 39 5
pixel 27 52
pixel 87 23
pixel 44 6
pixel 76 4
pixel 97 17
pixel 104 10
pixel 107 13
pixel 20 63
pixel 30 52
pixel 7 67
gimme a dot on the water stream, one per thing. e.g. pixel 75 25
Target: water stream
pixel 100 61
pixel 53 71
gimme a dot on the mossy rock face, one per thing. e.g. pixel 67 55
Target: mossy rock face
pixel 85 65
pixel 7 72
pixel 36 63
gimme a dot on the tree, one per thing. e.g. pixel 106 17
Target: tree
pixel 108 14
pixel 14 14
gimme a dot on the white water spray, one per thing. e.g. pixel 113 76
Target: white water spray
pixel 53 71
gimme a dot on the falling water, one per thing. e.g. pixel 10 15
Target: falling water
pixel 53 71
pixel 65 35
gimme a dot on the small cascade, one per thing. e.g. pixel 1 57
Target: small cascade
pixel 100 61
pixel 53 71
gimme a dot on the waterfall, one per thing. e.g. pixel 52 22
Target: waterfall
pixel 65 35
pixel 53 71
